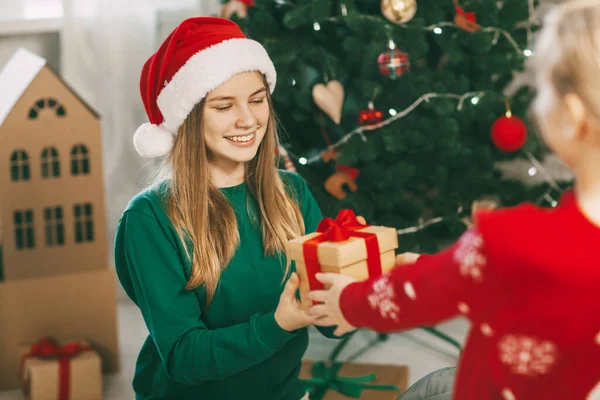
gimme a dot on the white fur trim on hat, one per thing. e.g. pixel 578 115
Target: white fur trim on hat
pixel 153 140
pixel 208 69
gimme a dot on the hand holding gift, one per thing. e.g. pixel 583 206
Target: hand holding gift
pixel 328 313
pixel 289 315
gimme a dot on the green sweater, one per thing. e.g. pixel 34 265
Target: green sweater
pixel 234 349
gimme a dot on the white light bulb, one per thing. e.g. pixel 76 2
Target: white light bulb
pixel 475 100
pixel 316 26
pixel 302 160
pixel 393 112
pixel 293 82
pixel 527 52
pixel 554 203
pixel 532 171
pixel 437 30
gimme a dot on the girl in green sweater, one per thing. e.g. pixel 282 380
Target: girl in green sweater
pixel 202 252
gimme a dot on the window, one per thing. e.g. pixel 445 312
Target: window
pixel 80 162
pixel 24 233
pixel 84 223
pixel 50 104
pixel 50 163
pixel 55 228
pixel 19 166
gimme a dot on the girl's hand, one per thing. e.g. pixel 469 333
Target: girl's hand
pixel 289 315
pixel 329 313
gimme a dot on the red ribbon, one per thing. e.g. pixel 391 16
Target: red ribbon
pixel 341 229
pixel 47 348
pixel 469 15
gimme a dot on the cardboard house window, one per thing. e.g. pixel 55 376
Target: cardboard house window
pixel 50 163
pixel 42 104
pixel 84 223
pixel 55 227
pixel 80 161
pixel 19 166
pixel 24 233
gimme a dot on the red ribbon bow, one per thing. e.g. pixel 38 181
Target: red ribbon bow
pixel 47 348
pixel 468 15
pixel 341 229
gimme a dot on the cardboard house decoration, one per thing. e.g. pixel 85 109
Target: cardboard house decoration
pixel 55 278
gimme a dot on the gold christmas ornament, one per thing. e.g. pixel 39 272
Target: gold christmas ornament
pixel 399 11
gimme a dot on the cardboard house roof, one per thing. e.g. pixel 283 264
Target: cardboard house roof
pixel 16 76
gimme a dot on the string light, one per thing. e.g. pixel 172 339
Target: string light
pixel 303 160
pixel 397 115
pixel 422 225
pixel 437 28
pixel 317 26
pixel 475 100
pixel 527 52
pixel 540 167
pixel 532 171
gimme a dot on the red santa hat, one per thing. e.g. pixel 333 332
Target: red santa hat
pixel 198 56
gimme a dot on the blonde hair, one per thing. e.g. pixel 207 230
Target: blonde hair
pixel 201 214
pixel 568 51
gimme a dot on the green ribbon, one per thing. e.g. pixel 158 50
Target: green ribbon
pixel 326 378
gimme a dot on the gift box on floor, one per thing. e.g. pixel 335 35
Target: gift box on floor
pixel 66 371
pixel 342 246
pixel 340 381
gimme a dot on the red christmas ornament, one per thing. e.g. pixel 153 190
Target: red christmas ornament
pixel 393 62
pixel 370 116
pixel 509 133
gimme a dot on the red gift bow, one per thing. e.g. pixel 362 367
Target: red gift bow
pixel 47 348
pixel 341 229
pixel 469 15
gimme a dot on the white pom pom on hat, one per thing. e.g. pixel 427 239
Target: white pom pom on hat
pixel 197 57
pixel 153 141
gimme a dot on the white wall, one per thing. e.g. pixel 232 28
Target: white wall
pixel 46 45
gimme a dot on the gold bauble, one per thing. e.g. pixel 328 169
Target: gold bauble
pixel 399 11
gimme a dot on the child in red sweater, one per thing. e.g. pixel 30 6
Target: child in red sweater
pixel 527 278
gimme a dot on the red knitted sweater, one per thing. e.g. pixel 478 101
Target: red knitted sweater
pixel 528 279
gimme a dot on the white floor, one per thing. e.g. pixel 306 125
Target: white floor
pixel 422 352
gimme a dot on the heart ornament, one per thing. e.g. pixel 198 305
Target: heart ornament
pixel 330 99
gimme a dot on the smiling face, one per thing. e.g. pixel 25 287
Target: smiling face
pixel 235 119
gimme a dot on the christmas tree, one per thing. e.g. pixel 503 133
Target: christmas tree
pixel 393 102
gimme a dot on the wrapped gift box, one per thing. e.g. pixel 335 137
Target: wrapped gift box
pixel 348 257
pixel 352 380
pixel 70 371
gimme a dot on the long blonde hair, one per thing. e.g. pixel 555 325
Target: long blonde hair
pixel 201 214
pixel 568 51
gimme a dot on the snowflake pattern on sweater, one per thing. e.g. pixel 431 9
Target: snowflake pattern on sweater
pixel 383 299
pixel 469 255
pixel 526 355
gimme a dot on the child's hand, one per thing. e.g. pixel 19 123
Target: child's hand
pixel 407 258
pixel 329 313
pixel 289 315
